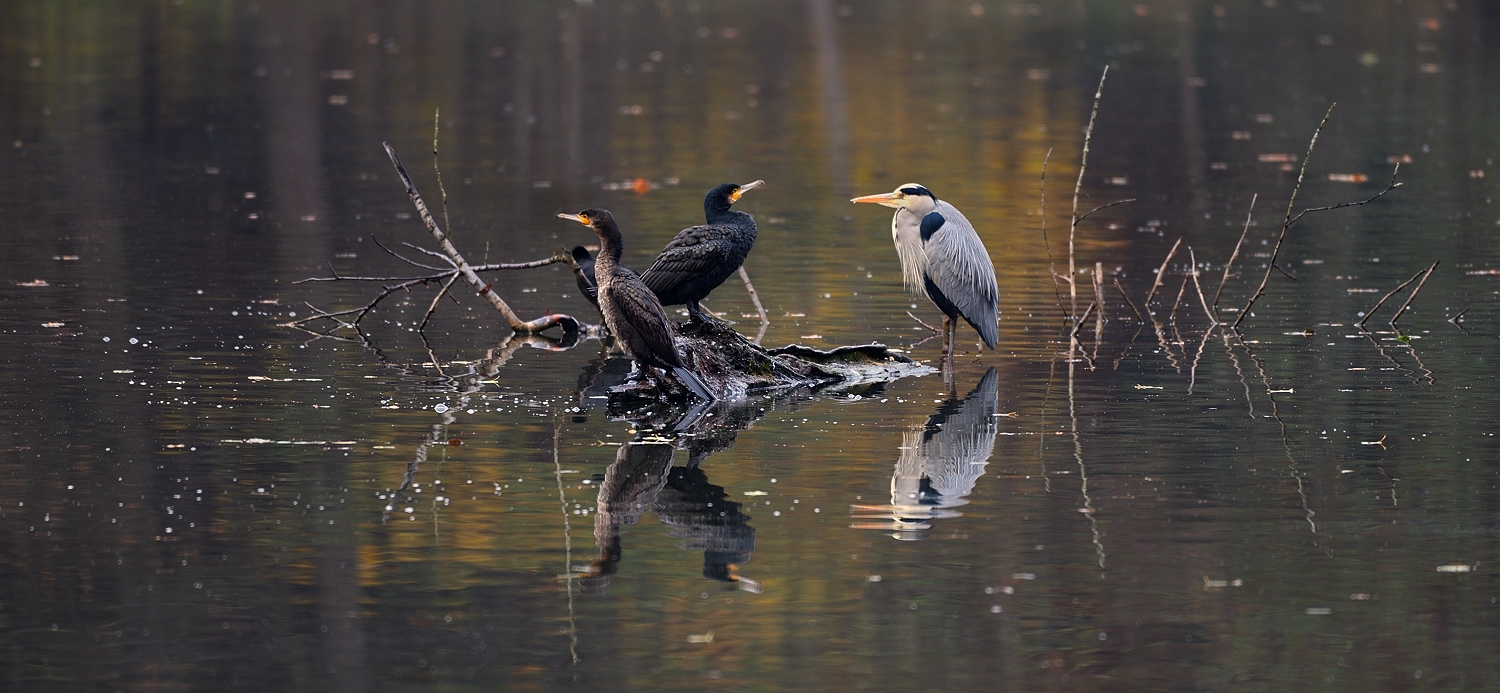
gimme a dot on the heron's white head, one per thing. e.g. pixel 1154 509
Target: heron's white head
pixel 912 197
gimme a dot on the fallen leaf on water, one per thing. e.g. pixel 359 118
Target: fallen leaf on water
pixel 705 638
pixel 34 283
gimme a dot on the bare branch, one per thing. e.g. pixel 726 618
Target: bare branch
pixel 1051 263
pixel 1425 276
pixel 1387 297
pixel 346 278
pixel 433 253
pixel 1248 214
pixel 432 308
pixel 568 323
pixel 1088 135
pixel 407 260
pixel 1199 287
pixel 1389 187
pixel 1172 317
pixel 923 324
pixel 1116 202
pixel 1128 302
pixel 1289 219
pixel 754 298
pixel 1159 274
pixel 1073 334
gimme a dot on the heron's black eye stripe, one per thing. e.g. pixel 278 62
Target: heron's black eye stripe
pixel 916 190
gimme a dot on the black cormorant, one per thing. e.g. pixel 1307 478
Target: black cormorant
pixel 632 313
pixel 700 258
pixel 584 275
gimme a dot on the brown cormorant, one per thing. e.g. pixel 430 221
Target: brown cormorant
pixel 632 313
pixel 700 258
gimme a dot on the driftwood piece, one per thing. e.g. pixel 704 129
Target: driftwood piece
pixel 734 367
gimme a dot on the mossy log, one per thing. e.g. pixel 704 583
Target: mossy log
pixel 734 367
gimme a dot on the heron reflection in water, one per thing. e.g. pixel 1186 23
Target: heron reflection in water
pixel 939 464
pixel 696 512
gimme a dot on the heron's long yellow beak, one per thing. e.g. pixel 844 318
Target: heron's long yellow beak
pixel 890 199
pixel 738 193
pixel 575 217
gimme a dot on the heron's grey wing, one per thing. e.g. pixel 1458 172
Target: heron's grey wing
pixel 960 439
pixel 688 254
pixel 960 267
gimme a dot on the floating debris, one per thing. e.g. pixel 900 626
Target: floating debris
pixel 1455 568
pixel 1210 584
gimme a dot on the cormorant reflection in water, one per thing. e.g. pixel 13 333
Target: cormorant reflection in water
pixel 698 513
pixel 939 464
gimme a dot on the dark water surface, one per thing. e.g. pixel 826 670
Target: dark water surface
pixel 193 497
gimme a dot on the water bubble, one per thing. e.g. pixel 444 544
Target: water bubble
pixel 441 408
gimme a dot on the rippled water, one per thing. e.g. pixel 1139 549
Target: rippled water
pixel 194 497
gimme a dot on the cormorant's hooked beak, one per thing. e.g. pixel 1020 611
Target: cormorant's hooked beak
pixel 740 191
pixel 575 217
pixel 894 199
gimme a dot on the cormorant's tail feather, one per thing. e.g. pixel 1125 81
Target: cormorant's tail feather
pixel 693 383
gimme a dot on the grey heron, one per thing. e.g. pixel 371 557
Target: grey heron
pixel 943 258
pixel 698 259
pixel 631 311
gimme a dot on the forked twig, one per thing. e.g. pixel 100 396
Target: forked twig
pixel 1290 220
pixel 567 322
pixel 1425 276
pixel 1388 296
